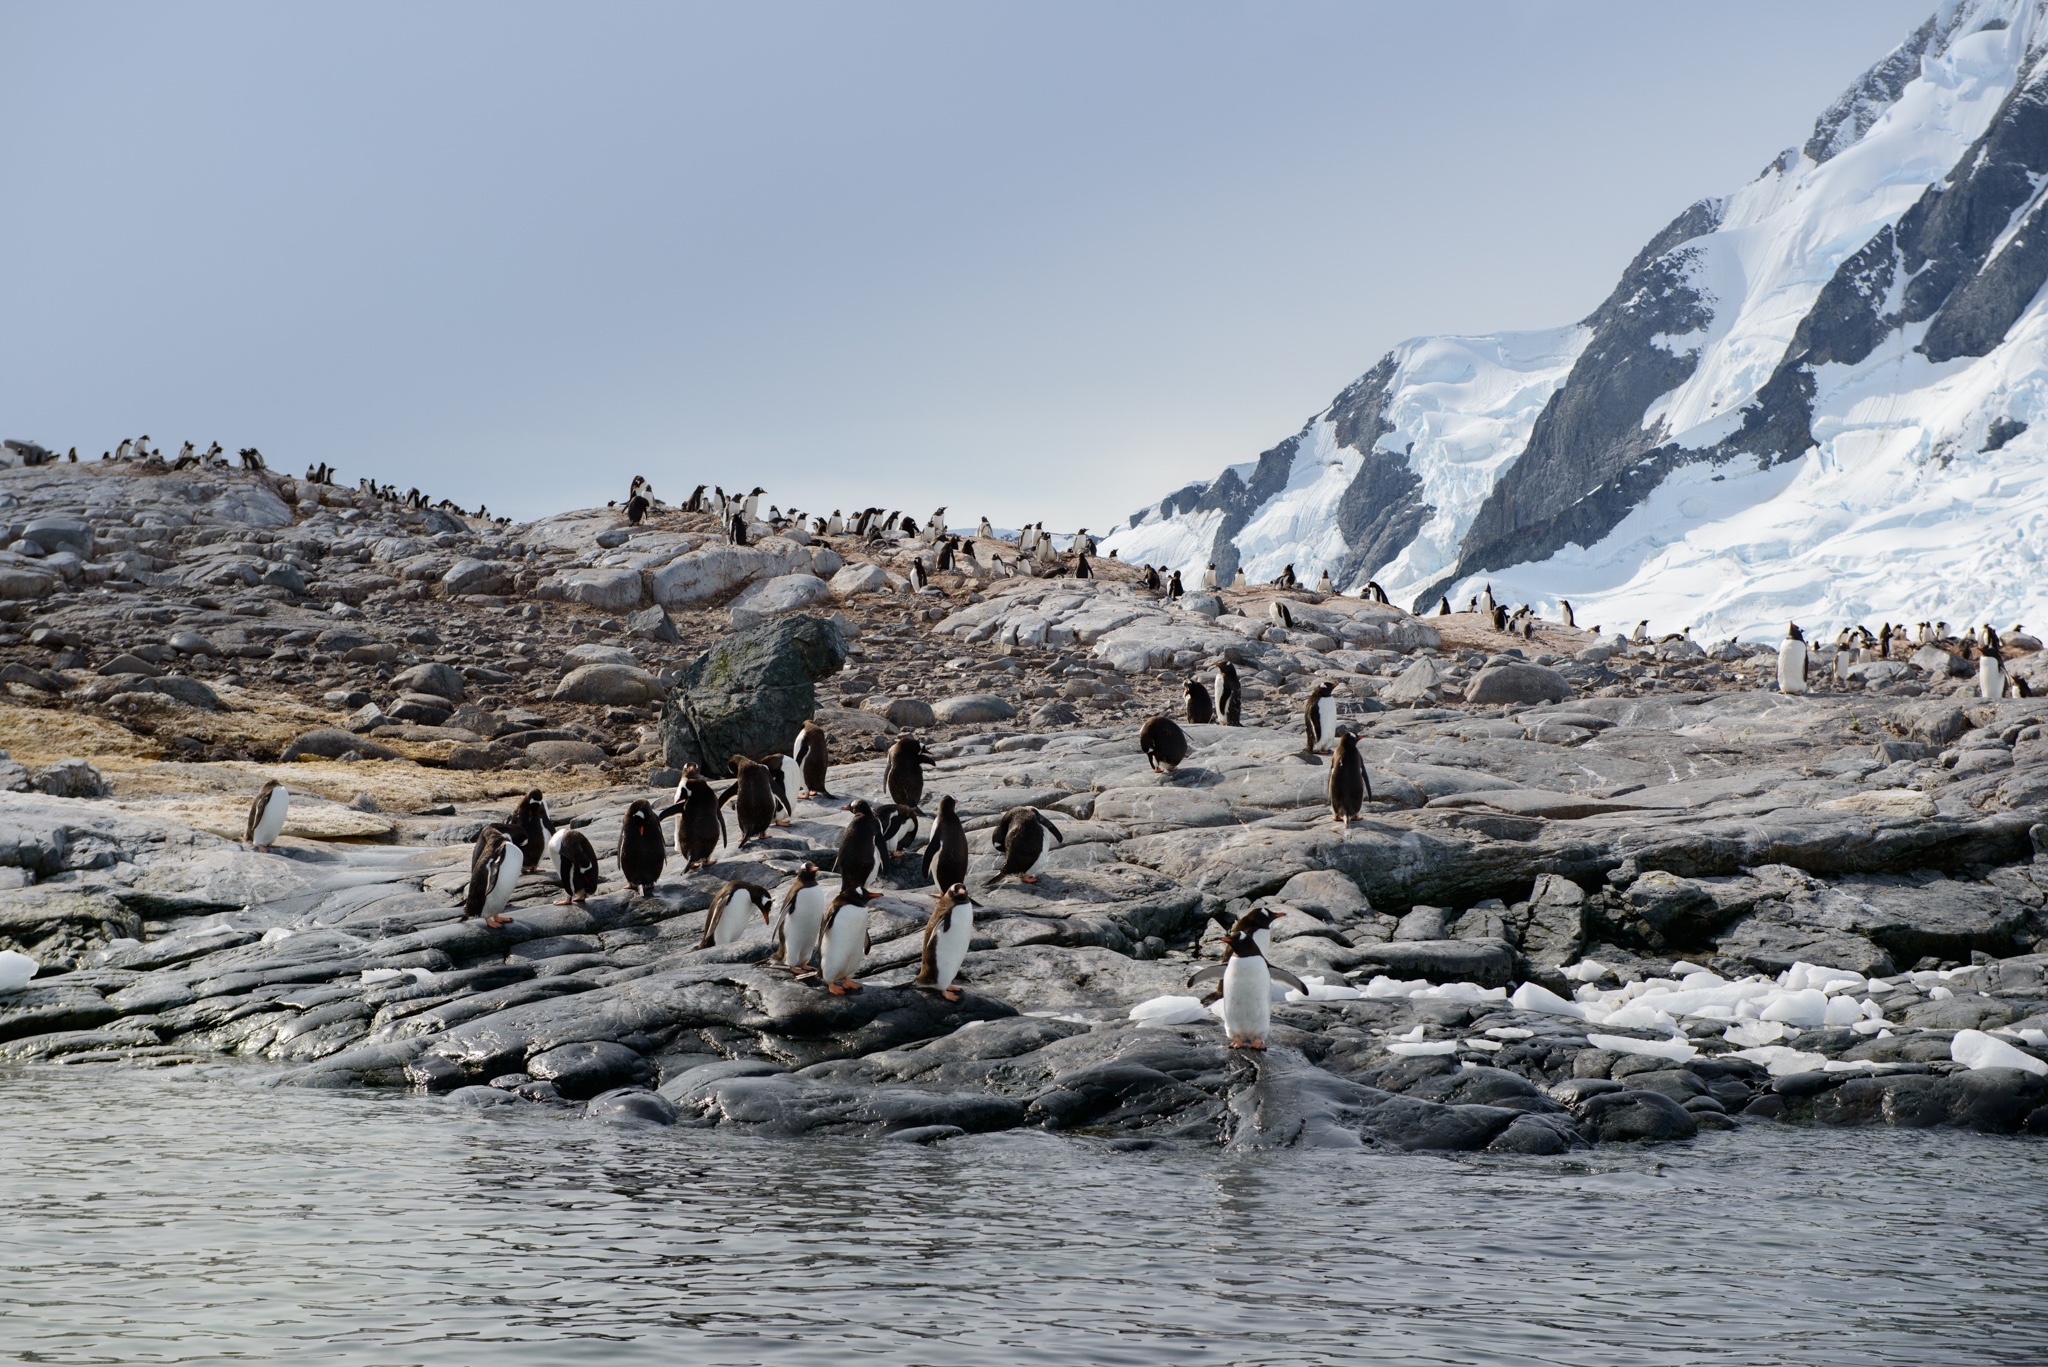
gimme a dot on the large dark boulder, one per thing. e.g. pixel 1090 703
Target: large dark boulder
pixel 750 693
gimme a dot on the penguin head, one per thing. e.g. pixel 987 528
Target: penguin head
pixel 1258 918
pixel 807 876
pixel 957 894
pixel 1242 944
pixel 859 807
pixel 947 806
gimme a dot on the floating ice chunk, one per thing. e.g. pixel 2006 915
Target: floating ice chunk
pixel 1382 987
pixel 374 976
pixel 1975 1049
pixel 1512 1032
pixel 1536 997
pixel 1158 1011
pixel 1407 1049
pixel 15 970
pixel 1939 993
pixel 1843 1010
pixel 1678 1051
pixel 1806 1007
pixel 1782 1061
pixel 1587 971
pixel 274 934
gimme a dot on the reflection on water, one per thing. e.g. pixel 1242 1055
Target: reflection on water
pixel 174 1220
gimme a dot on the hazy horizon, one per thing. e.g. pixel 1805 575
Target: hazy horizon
pixel 1033 264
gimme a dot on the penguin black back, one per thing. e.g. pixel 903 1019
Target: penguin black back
pixel 945 854
pixel 1229 702
pixel 1164 744
pixel 904 777
pixel 533 825
pixel 813 759
pixel 1350 788
pixel 702 828
pixel 860 846
pixel 1200 709
pixel 753 797
pixel 640 847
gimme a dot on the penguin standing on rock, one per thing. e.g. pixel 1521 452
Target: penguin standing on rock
pixel 904 774
pixel 1229 701
pixel 898 827
pixel 640 848
pixel 860 846
pixel 755 794
pixel 1174 591
pixel 702 828
pixel 533 824
pixel 1991 675
pixel 843 946
pixel 266 816
pixel 735 903
pixel 1792 660
pixel 1350 787
pixel 945 854
pixel 918 578
pixel 493 874
pixel 575 865
pixel 1319 715
pixel 799 918
pixel 946 937
pixel 1247 990
pixel 778 787
pixel 1020 839
pixel 812 759
pixel 1201 710
pixel 1165 745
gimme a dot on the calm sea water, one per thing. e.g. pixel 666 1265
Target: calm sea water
pixel 163 1219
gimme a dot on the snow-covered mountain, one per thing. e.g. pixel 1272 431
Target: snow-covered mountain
pixel 1822 397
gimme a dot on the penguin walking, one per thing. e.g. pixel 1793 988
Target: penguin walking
pixel 1020 839
pixel 1350 786
pixel 946 936
pixel 799 917
pixel 1564 605
pixel 1319 716
pixel 640 848
pixel 1164 744
pixel 493 874
pixel 812 759
pixel 1229 702
pixel 702 828
pixel 1247 990
pixel 897 825
pixel 754 808
pixel 266 816
pixel 860 846
pixel 1792 660
pixel 533 824
pixel 945 854
pixel 904 774
pixel 1201 711
pixel 731 908
pixel 1991 675
pixel 843 945
pixel 575 865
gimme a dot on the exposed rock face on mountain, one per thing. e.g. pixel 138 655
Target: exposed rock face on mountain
pixel 1781 379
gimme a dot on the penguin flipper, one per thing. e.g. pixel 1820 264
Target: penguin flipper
pixel 1213 973
pixel 1281 975
pixel 1050 827
pixel 1212 999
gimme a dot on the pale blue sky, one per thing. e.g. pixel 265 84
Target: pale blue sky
pixel 1034 261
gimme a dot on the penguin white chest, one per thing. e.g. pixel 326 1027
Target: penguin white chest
pixel 1247 999
pixel 502 877
pixel 1326 721
pixel 1990 679
pixel 732 921
pixel 806 918
pixel 270 821
pixel 1792 667
pixel 951 950
pixel 845 944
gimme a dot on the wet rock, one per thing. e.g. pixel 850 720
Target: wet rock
pixel 632 1106
pixel 586 1068
pixel 1632 1115
pixel 1489 963
pixel 615 685
pixel 750 693
pixel 1553 930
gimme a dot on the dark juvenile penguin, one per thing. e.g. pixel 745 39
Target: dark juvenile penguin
pixel 1229 703
pixel 755 794
pixel 726 922
pixel 1151 580
pixel 1201 710
pixel 532 825
pixel 575 865
pixel 493 874
pixel 636 509
pixel 702 828
pixel 1173 587
pixel 1350 787
pixel 1165 745
pixel 904 776
pixel 1020 839
pixel 898 827
pixel 812 759
pixel 779 786
pixel 944 560
pixel 946 937
pixel 1500 617
pixel 266 815
pixel 696 503
pixel 1443 607
pixel 945 854
pixel 640 848
pixel 860 846
pixel 736 529
pixel 1319 715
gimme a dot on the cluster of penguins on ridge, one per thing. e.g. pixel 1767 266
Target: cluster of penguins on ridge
pixel 1856 644
pixel 822 933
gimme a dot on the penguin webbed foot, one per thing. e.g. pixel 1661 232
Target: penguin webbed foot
pixel 951 994
pixel 497 922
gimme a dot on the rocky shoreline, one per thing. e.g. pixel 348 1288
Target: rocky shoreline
pixel 1605 892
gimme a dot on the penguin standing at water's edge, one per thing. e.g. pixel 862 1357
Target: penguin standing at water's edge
pixel 946 937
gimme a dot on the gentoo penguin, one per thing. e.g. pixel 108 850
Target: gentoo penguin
pixel 1151 579
pixel 1020 839
pixel 1229 702
pixel 493 874
pixel 812 759
pixel 1174 591
pixel 1248 990
pixel 860 846
pixel 798 918
pixel 752 508
pixel 898 827
pixel 1319 716
pixel 702 828
pixel 945 854
pixel 1564 605
pixel 575 865
pixel 1257 923
pixel 1792 660
pixel 1991 676
pixel 1209 581
pixel 696 503
pixel 636 509
pixel 726 923
pixel 1084 544
pixel 985 531
pixel 1443 606
pixel 945 556
pixel 640 852
pixel 532 824
pixel 945 941
pixel 1641 635
pixel 1500 618
pixel 1081 570
pixel 1375 592
pixel 266 815
pixel 778 786
pixel 918 578
pixel 1201 710
pixel 755 807
pixel 1237 581
pixel 904 776
pixel 1884 642
pixel 1323 584
pixel 843 945
pixel 1350 787
pixel 1486 603
pixel 1164 744
pixel 835 525
pixel 1279 613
